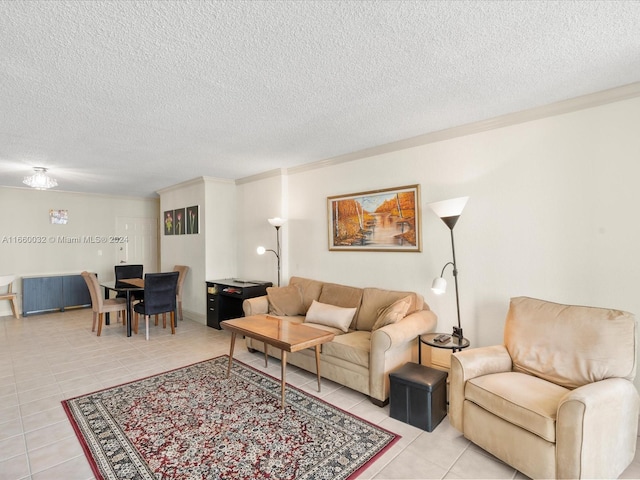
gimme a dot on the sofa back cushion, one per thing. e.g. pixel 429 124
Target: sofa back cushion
pixel 375 299
pixel 341 296
pixel 285 301
pixel 570 345
pixel 309 289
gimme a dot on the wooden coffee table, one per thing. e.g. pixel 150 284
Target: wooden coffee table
pixel 282 334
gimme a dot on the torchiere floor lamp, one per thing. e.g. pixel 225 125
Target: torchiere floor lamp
pixel 449 211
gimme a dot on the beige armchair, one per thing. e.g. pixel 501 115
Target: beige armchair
pixel 557 399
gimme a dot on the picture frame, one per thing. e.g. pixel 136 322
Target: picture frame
pixel 168 222
pixel 385 220
pixel 193 220
pixel 58 217
pixel 179 221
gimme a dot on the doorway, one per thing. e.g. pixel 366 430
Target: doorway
pixel 141 245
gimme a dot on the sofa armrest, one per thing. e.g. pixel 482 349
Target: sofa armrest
pixel 392 346
pixel 404 331
pixel 596 429
pixel 255 306
pixel 469 364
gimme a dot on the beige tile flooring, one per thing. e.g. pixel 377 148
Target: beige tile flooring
pixel 47 358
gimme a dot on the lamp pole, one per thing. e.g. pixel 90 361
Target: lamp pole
pixel 277 252
pixel 456 331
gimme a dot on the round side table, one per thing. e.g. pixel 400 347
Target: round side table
pixel 454 343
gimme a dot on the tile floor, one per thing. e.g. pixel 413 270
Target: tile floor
pixel 47 358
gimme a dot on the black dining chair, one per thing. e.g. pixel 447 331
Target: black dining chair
pixel 159 297
pixel 129 271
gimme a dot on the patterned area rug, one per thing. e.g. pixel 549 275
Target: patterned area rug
pixel 193 423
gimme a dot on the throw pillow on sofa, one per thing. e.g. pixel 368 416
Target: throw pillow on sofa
pixel 330 315
pixel 393 313
pixel 285 301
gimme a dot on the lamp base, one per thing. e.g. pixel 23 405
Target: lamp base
pixel 457 332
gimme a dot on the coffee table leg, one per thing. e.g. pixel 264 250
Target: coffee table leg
pixel 318 364
pixel 283 374
pixel 233 343
pixel 266 356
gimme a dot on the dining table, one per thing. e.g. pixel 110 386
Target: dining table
pixel 128 286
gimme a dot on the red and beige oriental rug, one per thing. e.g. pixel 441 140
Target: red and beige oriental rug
pixel 193 423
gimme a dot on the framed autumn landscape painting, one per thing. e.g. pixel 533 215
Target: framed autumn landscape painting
pixel 380 220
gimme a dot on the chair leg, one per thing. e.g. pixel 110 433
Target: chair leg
pixel 14 307
pixel 146 318
pixel 164 320
pixel 180 310
pixel 135 323
pixel 95 317
pixel 156 320
pixel 99 323
pixel 172 318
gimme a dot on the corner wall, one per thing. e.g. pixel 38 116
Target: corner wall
pixel 210 254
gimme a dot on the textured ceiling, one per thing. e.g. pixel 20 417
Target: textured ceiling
pixel 125 97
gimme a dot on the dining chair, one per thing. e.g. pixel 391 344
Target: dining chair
pixel 7 281
pixel 129 271
pixel 159 297
pixel 100 305
pixel 182 270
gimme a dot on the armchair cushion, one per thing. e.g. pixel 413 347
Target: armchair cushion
pixel 581 344
pixel 521 399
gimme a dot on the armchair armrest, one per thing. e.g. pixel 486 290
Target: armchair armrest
pixel 596 429
pixel 255 305
pixel 469 364
pixel 392 346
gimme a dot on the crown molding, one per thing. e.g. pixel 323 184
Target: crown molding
pixel 583 102
pixel 278 172
pixel 192 182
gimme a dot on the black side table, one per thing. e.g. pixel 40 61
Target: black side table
pixel 454 343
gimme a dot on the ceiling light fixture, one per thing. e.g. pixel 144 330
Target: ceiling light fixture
pixel 40 180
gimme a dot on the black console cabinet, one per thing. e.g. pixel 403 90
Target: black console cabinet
pixel 225 297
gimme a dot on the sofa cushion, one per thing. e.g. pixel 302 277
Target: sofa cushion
pixel 341 296
pixel 518 398
pixel 330 315
pixel 373 299
pixel 577 345
pixel 352 347
pixel 285 301
pixel 309 289
pixel 393 313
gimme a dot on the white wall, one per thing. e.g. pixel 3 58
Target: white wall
pixel 25 214
pixel 257 202
pixel 552 214
pixel 186 249
pixel 211 254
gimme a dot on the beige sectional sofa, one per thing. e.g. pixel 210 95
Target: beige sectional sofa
pixel 376 330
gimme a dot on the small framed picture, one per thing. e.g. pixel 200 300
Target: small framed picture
pixel 168 222
pixel 193 221
pixel 58 217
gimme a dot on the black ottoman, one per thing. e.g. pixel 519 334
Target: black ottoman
pixel 418 395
